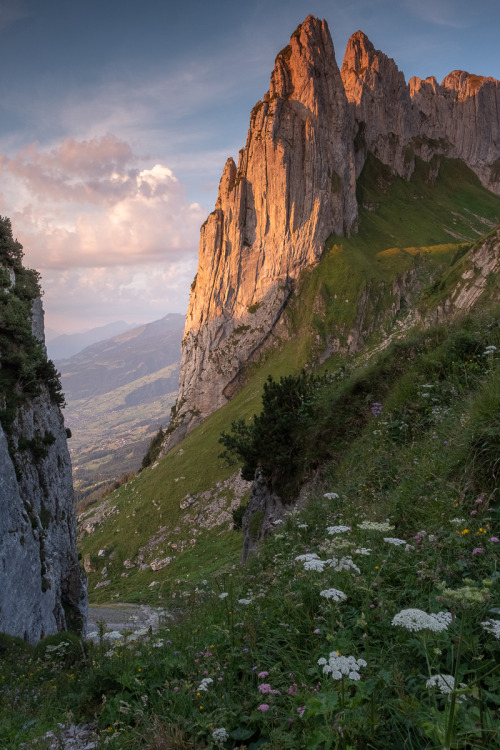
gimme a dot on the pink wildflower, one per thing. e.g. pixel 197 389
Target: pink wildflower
pixel 262 674
pixel 476 550
pixel 263 707
pixel 301 710
pixel 494 539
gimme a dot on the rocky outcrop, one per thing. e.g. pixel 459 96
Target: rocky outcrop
pixel 384 119
pixel 42 589
pixel 294 185
pixel 463 115
pixel 396 121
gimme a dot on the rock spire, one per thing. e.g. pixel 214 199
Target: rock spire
pixel 294 185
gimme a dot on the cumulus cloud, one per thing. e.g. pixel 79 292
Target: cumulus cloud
pixel 113 233
pixel 88 203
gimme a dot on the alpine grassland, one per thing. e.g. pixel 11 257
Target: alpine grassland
pixel 369 616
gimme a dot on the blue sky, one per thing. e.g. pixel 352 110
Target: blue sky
pixel 117 116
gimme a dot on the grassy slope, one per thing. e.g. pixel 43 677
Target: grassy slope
pixel 427 465
pixel 408 230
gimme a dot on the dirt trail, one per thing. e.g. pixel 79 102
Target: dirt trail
pixel 122 617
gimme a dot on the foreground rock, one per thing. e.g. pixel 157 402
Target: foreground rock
pixel 42 590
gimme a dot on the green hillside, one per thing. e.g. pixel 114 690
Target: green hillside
pixel 146 519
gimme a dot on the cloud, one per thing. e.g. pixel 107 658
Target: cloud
pixel 89 203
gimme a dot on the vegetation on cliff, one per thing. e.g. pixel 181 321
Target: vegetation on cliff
pixel 24 363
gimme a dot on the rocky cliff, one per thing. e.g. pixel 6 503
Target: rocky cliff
pixel 42 590
pixel 295 185
pixel 395 120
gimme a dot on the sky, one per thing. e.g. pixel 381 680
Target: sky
pixel 117 116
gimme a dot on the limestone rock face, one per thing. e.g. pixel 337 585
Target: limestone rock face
pixel 293 186
pixel 381 104
pixel 42 590
pixel 463 112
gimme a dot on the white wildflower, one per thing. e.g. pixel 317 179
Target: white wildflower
pixel 457 521
pixel 277 522
pixel 409 547
pixel 362 551
pixel 416 619
pixel 302 526
pixel 113 635
pixel 244 601
pixel 345 563
pixel 493 627
pixel 445 683
pixel 393 540
pixel 337 529
pixel 205 683
pixel 339 666
pixel 317 565
pixel 335 594
pixel 220 736
pixel 376 526
pixel 331 496
pixel 223 595
pixel 308 556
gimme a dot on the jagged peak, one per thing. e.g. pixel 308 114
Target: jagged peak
pixel 227 181
pixel 466 83
pixel 310 47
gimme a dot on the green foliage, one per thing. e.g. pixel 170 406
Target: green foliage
pixel 60 651
pixel 24 364
pixel 274 440
pixel 154 449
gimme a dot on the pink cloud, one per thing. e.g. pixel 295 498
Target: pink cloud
pixel 89 203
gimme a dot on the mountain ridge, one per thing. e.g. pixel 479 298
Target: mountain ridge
pixel 294 186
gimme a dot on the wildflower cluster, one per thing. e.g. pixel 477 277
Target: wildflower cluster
pixel 342 666
pixel 416 620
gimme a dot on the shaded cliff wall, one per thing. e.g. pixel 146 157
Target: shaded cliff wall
pixel 42 589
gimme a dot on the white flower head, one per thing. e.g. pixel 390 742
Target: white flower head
pixel 220 736
pixel 345 563
pixel 415 620
pixel 445 683
pixel 493 627
pixel 331 496
pixel 317 565
pixel 342 666
pixel 362 551
pixel 205 683
pixel 393 540
pixel 337 529
pixel 376 526
pixel 308 556
pixel 335 594
pixel 223 595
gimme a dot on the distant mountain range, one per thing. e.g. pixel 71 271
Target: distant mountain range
pixel 64 345
pixel 119 392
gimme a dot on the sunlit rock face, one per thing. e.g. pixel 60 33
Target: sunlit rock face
pixel 293 186
pixel 42 590
pixel 295 183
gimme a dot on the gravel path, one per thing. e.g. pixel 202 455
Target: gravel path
pixel 122 617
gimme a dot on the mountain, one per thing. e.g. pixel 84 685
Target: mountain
pixel 118 393
pixel 42 590
pixel 65 345
pixel 317 131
